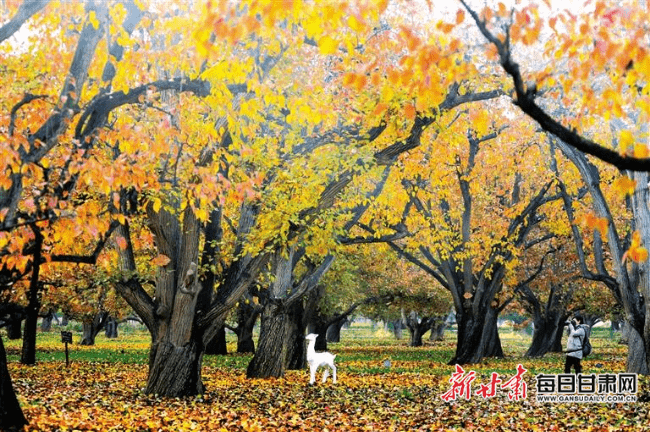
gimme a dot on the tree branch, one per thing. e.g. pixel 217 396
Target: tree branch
pixel 525 99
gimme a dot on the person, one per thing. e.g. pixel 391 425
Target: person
pixel 574 345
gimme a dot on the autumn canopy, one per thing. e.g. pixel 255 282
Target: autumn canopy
pixel 178 159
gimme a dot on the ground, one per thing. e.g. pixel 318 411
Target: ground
pixel 101 389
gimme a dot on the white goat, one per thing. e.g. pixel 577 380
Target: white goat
pixel 318 359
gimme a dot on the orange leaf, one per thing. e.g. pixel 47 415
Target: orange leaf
pixel 409 111
pixel 625 185
pixel 161 260
pixel 121 242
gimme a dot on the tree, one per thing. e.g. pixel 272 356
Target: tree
pixel 470 237
pixel 614 71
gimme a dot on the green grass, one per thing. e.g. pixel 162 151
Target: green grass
pixel 363 349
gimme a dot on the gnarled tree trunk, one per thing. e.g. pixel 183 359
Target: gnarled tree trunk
pixel 478 337
pixel 270 359
pixel 92 326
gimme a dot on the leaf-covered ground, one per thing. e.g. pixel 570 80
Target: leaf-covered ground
pixel 105 395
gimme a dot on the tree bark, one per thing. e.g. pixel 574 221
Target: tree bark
pixel 545 335
pixel 175 370
pixel 14 328
pixel 333 333
pixel 417 328
pixel 92 326
pixel 11 414
pixel 438 327
pixel 111 328
pixel 270 359
pixel 398 326
pixel 478 337
pixel 28 354
pixel 46 322
pixel 297 349
pixel 217 345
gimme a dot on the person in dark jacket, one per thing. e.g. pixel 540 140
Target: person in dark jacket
pixel 577 335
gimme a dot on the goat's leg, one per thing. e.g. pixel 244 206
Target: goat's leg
pixel 312 374
pixel 333 374
pixel 326 373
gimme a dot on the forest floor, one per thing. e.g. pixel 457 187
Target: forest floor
pixel 383 385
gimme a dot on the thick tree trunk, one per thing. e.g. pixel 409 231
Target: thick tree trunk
pixel 438 330
pixel 175 370
pixel 548 330
pixel 398 326
pixel 319 327
pixel 296 349
pixel 110 330
pixel 92 327
pixel 417 328
pixel 217 345
pixel 270 359
pixel 636 360
pixel 333 333
pixel 46 322
pixel 14 329
pixel 11 415
pixel 478 337
pixel 246 318
pixel 28 353
pixel 88 333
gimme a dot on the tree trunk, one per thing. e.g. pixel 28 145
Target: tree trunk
pixel 478 337
pixel 110 330
pixel 14 329
pixel 296 349
pixel 92 327
pixel 636 353
pixel 270 359
pixel 547 327
pixel 319 327
pixel 417 328
pixel 46 322
pixel 438 330
pixel 88 333
pixel 11 415
pixel 398 326
pixel 333 333
pixel 246 318
pixel 28 353
pixel 175 370
pixel 217 345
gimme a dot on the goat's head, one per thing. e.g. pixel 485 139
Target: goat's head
pixel 311 337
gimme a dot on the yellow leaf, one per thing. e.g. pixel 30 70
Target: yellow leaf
pixel 625 185
pixel 639 254
pixel 327 45
pixel 157 203
pixel 625 140
pixel 640 151
pixel 92 16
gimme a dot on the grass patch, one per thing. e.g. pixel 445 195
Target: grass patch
pixel 102 389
